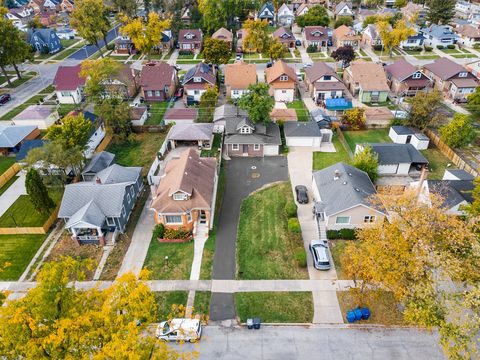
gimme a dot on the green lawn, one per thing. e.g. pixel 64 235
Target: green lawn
pixel 68 42
pixel 362 52
pixel 64 109
pixel 213 152
pixel 185 56
pixel 201 304
pixel 165 300
pixel 451 51
pixel 17 251
pixel 251 56
pixel 427 57
pixel 437 163
pixel 337 247
pixel 265 249
pixel 275 307
pixel 8 184
pixel 157 110
pixel 366 136
pixel 464 56
pixel 322 160
pixel 299 106
pixel 5 163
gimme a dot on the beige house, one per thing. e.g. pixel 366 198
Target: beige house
pixel 344 35
pixel 238 77
pixel 366 80
pixel 282 81
pixel 224 35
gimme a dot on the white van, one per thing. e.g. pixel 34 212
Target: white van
pixel 179 330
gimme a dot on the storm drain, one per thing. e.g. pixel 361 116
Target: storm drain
pixel 255 175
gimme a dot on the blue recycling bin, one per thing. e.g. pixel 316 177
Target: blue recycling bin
pixel 350 316
pixel 365 313
pixel 358 314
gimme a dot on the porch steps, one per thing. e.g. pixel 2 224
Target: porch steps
pixel 322 230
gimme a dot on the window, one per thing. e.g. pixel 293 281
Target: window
pixel 327 77
pixel 157 92
pixel 65 93
pixel 342 220
pixel 123 211
pixel 179 196
pixel 196 92
pixel 189 217
pixel 235 92
pixel 234 146
pixel 197 79
pixel 128 198
pixel 245 130
pixel 173 219
pixel 284 91
pixel 110 221
pixel 149 93
pixel 256 147
pixel 284 78
pixel 463 74
pixel 417 75
pixel 369 219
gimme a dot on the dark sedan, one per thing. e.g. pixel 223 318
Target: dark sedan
pixel 302 194
pixel 4 98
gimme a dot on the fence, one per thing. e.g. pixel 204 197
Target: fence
pixel 342 139
pixel 103 145
pixel 32 230
pixel 9 173
pixel 450 153
pixel 149 128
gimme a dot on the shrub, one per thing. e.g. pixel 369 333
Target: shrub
pixel 451 46
pixel 440 47
pixel 345 234
pixel 417 48
pixel 301 257
pixel 428 48
pixel 177 234
pixel 476 46
pixel 291 209
pixel 184 52
pixel 377 47
pixel 294 226
pixel 312 48
pixel 159 231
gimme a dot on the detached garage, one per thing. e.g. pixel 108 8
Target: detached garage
pixel 408 135
pixel 302 133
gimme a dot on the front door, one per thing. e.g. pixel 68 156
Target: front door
pixel 245 149
pixel 203 217
pixel 409 138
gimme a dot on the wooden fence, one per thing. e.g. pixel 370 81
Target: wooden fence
pixel 103 145
pixel 450 153
pixel 32 230
pixel 9 173
pixel 344 142
pixel 150 128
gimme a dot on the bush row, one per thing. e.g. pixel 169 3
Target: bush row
pixel 345 234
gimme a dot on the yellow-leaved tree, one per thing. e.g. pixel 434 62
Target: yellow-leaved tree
pixel 257 39
pixel 392 37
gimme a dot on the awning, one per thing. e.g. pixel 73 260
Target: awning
pixel 338 104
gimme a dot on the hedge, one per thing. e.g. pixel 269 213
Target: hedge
pixel 294 226
pixel 428 48
pixel 440 47
pixel 345 234
pixel 451 46
pixel 291 209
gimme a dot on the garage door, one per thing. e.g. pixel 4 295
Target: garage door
pixel 388 169
pixel 300 141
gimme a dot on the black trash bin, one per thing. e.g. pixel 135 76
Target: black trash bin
pixel 256 323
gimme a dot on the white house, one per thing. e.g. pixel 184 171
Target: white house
pixel 302 133
pixel 408 135
pixel 285 15
pixel 282 81
pixel 344 9
pixel 69 84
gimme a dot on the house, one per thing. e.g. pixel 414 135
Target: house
pixel 346 36
pixel 285 37
pixel 66 34
pixel 462 9
pixel 166 41
pixel 186 17
pixel 124 83
pixel 96 211
pixel 37 6
pixel 322 82
pixel 41 116
pixel 304 133
pixel 343 198
pixel 285 15
pixel 224 35
pixel 396 159
pixel 414 11
pixel 344 8
pixel 240 34
pixel 405 79
pixel 439 35
pixel 27 145
pixel 267 12
pixel 99 161
pixel 367 80
pixel 67 5
pixel 469 35
pixel 45 41
pixel 371 37
pixel 20 17
pixel 283 114
pixel 315 36
pixel 407 135
pixel 223 113
pixel 457 174
pixel 238 77
pixel 451 78
pixel 96 135
pixel 282 81
pixel 13 137
pixel 243 138
pixel 124 45
pixel 185 196
pixel 184 134
pixel 197 80
pixel 190 40
pixel 48 18
pixel 302 9
pixel 138 115
pixel 180 116
pixel 158 81
pixel 413 42
pixel 69 84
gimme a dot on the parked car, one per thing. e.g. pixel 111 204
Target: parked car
pixel 320 254
pixel 179 93
pixel 179 330
pixel 4 98
pixel 302 194
pixel 298 43
pixel 269 64
pixel 307 65
pixel 238 57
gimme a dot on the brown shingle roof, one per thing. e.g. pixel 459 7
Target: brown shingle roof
pixel 283 114
pixel 370 76
pixel 444 68
pixel 317 70
pixel 469 31
pixel 197 35
pixel 279 68
pixel 181 114
pixel 156 75
pixel 343 32
pixel 68 78
pixel 223 34
pixel 400 69
pixel 239 75
pixel 315 33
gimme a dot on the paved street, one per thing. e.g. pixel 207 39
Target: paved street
pixel 89 50
pixel 302 342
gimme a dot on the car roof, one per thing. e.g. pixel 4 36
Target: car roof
pixel 185 324
pixel 322 252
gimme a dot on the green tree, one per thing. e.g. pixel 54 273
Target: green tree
pixel 99 74
pixel 373 3
pixel 214 14
pixel 37 192
pixel 354 118
pixel 208 101
pixel 343 20
pixel 74 131
pixel 459 132
pixel 116 116
pixel 473 103
pixel 440 11
pixel 90 20
pixel 257 38
pixel 424 109
pixel 275 50
pixel 473 209
pixel 127 7
pixel 367 160
pixel 257 102
pixel 216 51
pixel 316 16
pixel 400 3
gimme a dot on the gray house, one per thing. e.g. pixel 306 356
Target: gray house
pixel 96 211
pixel 44 40
pixel 99 162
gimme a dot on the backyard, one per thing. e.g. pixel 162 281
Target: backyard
pixel 301 110
pixel 5 163
pixel 265 248
pixel 366 136
pixel 16 251
pixel 321 160
pixel 437 162
pixel 157 110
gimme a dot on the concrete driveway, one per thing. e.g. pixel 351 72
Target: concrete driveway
pixel 243 176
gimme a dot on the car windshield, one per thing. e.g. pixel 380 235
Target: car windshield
pixel 166 328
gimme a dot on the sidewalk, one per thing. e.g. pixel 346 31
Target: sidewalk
pixel 13 193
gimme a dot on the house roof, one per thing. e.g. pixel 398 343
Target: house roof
pixel 404 130
pixel 181 114
pixel 341 5
pixel 460 174
pixel 439 32
pixel 268 6
pixel 262 134
pixel 329 85
pixel 223 34
pixel 343 32
pixel 90 213
pixel 190 174
pixel 301 129
pixel 136 112
pixel 12 135
pixel 301 8
pixel 99 161
pixel 239 75
pixel 400 69
pixel 36 112
pixel 191 132
pixel 68 78
pixel 453 192
pixel 118 174
pixel 397 154
pixel 283 34
pixel 283 114
pixel 315 33
pixel 468 82
pixel 371 30
pixel 278 69
pixel 156 75
pixel 319 69
pixel 26 147
pixel 200 70
pixel 342 187
pixel 228 111
pixel 197 35
pixel 444 68
pixel 370 76
pixel 469 31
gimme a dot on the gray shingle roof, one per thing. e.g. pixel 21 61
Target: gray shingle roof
pixel 353 187
pixel 461 174
pixel 11 135
pixel 397 154
pixel 301 129
pixel 90 214
pixel 118 174
pixel 99 161
pixel 453 192
pixel 227 111
pixel 263 134
pixel 191 132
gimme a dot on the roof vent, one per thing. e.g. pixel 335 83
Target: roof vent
pixel 350 174
pixel 344 183
pixel 337 174
pixel 357 189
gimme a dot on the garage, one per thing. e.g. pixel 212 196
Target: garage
pixel 302 134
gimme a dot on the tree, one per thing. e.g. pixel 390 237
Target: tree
pixel 55 320
pixel 459 132
pixel 367 160
pixel 473 209
pixel 208 101
pixel 146 37
pixel 275 50
pixel 214 14
pixel 257 38
pixel 345 54
pixel 316 16
pixel 343 20
pixel 128 7
pixel 440 11
pixel 216 51
pixel 90 20
pixel 473 103
pixel 373 19
pixel 393 37
pixel 424 109
pixel 354 118
pixel 74 131
pixel 35 23
pixel 99 74
pixel 257 102
pixel 373 3
pixel 37 192
pixel 400 3
pixel 116 115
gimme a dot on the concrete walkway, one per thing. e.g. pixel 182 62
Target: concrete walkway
pixel 13 193
pixel 200 239
pixel 173 58
pixel 137 251
pixel 106 252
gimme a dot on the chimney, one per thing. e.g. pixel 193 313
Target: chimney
pixel 98 181
pixel 336 175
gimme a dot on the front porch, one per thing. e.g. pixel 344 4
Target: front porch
pixel 95 235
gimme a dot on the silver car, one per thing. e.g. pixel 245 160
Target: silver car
pixel 320 254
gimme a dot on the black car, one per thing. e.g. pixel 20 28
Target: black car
pixel 4 98
pixel 298 43
pixel 269 64
pixel 302 194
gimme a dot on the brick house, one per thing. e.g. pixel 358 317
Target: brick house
pixel 158 81
pixel 405 79
pixel 190 40
pixel 197 80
